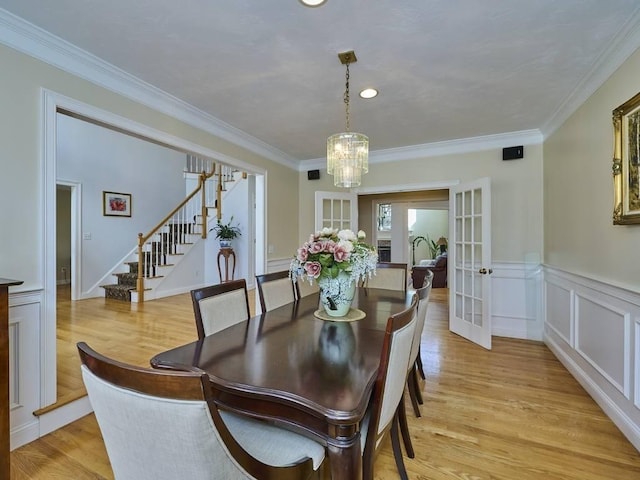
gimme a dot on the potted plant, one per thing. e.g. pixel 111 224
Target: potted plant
pixel 226 232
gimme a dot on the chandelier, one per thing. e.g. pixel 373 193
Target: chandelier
pixel 347 152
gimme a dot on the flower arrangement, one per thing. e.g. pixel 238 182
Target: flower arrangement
pixel 330 252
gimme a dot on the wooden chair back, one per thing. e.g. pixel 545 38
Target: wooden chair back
pixel 275 289
pixel 217 307
pixel 163 424
pixel 388 391
pixel 391 276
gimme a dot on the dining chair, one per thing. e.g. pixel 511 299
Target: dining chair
pixel 391 276
pixel 217 307
pixel 275 289
pixel 304 288
pixel 413 384
pixel 164 424
pixel 388 391
pixel 414 359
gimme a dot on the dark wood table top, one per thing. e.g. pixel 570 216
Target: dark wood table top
pixel 290 366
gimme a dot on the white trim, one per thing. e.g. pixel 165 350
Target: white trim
pixel 406 187
pixel 278 264
pixel 48 324
pixel 612 410
pixel 618 51
pixel 76 237
pixel 446 147
pixel 618 401
pixel 64 415
pixel 123 123
pixel 50 103
pixel 27 38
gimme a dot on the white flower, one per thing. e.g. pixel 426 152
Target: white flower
pixel 326 232
pixel 346 246
pixel 347 235
pixel 361 235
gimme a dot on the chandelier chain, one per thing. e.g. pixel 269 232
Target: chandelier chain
pixel 346 98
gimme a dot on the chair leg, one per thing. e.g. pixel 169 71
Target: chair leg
pixel 404 429
pixel 397 452
pixel 413 394
pixel 414 374
pixel 419 363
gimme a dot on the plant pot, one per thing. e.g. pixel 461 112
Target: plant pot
pixel 225 243
pixel 336 294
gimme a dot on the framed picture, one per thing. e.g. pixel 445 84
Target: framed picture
pixel 626 163
pixel 116 204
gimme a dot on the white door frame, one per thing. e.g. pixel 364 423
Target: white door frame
pixel 76 236
pixel 51 103
pixel 321 218
pixel 469 265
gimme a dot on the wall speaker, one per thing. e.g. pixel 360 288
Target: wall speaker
pixel 313 175
pixel 512 153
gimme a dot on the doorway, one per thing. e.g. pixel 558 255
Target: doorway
pixel 54 104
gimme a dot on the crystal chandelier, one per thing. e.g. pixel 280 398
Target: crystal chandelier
pixel 347 152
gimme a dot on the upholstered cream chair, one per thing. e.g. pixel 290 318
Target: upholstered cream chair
pixel 217 307
pixel 413 384
pixel 275 289
pixel 391 276
pixel 164 425
pixel 304 288
pixel 388 393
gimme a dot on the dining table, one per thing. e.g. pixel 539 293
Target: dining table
pixel 302 372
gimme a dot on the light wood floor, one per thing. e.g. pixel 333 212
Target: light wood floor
pixel 514 413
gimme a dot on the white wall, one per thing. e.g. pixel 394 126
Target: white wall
pixel 432 224
pixel 516 193
pixel 592 287
pixel 100 160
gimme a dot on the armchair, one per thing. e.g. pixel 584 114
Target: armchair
pixel 439 268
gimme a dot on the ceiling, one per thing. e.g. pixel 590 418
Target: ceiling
pixel 445 69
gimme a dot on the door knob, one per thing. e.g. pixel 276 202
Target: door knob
pixel 484 271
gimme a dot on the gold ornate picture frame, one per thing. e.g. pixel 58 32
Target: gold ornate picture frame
pixel 626 163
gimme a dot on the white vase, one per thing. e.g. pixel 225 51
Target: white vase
pixel 336 294
pixel 225 243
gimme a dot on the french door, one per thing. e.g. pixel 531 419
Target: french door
pixel 336 210
pixel 470 261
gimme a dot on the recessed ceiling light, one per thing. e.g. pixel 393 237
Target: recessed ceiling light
pixel 369 93
pixel 312 3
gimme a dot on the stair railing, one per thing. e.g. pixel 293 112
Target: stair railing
pixel 173 229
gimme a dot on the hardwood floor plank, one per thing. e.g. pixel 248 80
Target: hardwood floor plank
pixel 512 413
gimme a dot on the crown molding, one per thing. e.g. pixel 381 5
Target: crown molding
pixel 625 43
pixel 447 147
pixel 31 40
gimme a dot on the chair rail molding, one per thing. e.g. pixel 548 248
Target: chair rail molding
pixel 593 328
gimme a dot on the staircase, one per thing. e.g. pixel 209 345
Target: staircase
pixel 160 250
pixel 158 261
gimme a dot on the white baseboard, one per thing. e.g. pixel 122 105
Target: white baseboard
pixel 617 415
pixel 24 434
pixel 64 415
pixel 593 328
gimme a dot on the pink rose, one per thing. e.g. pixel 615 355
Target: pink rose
pixel 313 269
pixel 302 254
pixel 316 247
pixel 340 254
pixel 330 246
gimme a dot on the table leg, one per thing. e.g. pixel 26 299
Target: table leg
pixel 345 459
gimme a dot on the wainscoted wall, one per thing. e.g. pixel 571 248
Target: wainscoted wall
pixel 516 298
pixel 25 314
pixel 594 329
pixel 278 264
